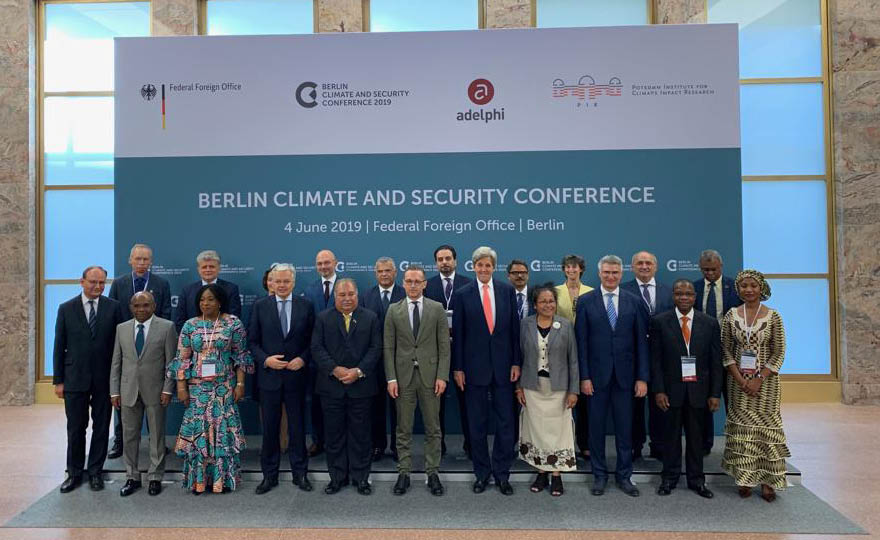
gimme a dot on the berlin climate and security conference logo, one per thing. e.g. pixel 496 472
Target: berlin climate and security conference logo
pixel 480 92
pixel 307 95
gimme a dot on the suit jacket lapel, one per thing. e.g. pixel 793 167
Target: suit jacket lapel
pixel 600 299
pixel 554 333
pixel 80 313
pixel 276 317
pixel 675 328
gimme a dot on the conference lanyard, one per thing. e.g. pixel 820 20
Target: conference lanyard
pixel 146 283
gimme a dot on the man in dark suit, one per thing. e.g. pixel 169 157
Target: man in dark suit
pixel 208 264
pixel 658 299
pixel 486 358
pixel 518 276
pixel 85 331
pixel 440 289
pixel 611 329
pixel 121 290
pixel 686 379
pixel 715 295
pixel 320 294
pixel 346 348
pixel 377 299
pixel 279 336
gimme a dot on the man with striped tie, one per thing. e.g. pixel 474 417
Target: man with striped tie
pixel 85 329
pixel 611 331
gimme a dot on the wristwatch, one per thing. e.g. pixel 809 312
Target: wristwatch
pixel 360 373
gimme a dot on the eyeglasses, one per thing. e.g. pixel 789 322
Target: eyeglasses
pixel 412 283
pixel 518 273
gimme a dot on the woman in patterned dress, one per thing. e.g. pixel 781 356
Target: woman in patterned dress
pixel 547 391
pixel 211 361
pixel 753 348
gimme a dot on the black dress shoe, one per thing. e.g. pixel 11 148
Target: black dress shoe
pixel 378 454
pixel 364 487
pixel 96 482
pixel 402 484
pixel 333 487
pixel 130 487
pixel 315 450
pixel 70 483
pixel 665 489
pixel 266 485
pixel 599 485
pixel 480 485
pixel 504 487
pixel 434 485
pixel 628 487
pixel 702 491
pixel 302 482
pixel 155 488
pixel 115 452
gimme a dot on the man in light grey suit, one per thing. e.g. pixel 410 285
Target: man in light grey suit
pixel 143 350
pixel 416 352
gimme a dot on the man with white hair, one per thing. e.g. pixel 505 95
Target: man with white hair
pixel 208 265
pixel 279 336
pixel 486 359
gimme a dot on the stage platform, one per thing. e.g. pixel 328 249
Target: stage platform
pixel 454 467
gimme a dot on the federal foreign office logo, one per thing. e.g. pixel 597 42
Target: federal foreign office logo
pixel 307 95
pixel 149 93
pixel 481 91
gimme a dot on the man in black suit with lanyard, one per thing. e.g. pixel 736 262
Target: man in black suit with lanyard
pixel 208 264
pixel 85 330
pixel 440 289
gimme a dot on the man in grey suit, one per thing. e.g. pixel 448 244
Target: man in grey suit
pixel 143 350
pixel 416 351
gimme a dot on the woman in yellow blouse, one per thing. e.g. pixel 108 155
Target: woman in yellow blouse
pixel 568 293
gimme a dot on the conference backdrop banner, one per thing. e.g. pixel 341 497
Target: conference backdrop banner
pixel 537 143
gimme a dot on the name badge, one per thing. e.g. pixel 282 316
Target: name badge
pixel 449 317
pixel 748 361
pixel 689 368
pixel 209 366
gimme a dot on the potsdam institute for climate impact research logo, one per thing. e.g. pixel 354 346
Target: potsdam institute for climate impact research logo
pixel 480 92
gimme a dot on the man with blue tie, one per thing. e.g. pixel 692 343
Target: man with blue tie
pixel 613 358
pixel 440 289
pixel 320 294
pixel 122 289
pixel 486 359
pixel 715 295
pixel 208 265
pixel 518 276
pixel 279 337
pixel 377 299
pixel 658 299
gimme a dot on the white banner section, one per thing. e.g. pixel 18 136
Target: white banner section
pixel 635 87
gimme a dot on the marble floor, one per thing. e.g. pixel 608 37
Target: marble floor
pixel 835 446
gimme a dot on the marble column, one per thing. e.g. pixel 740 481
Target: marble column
pixel 175 17
pixel 340 16
pixel 680 11
pixel 508 13
pixel 855 65
pixel 17 196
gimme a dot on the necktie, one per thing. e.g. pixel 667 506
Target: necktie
pixel 385 301
pixel 326 291
pixel 416 320
pixel 609 308
pixel 647 294
pixel 93 319
pixel 347 317
pixel 139 340
pixel 139 284
pixel 487 308
pixel 519 304
pixel 685 331
pixel 447 292
pixel 711 303
pixel 282 314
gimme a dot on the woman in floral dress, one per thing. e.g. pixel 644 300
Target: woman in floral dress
pixel 210 365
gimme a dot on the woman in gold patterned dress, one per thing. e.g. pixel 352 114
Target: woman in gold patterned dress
pixel 753 348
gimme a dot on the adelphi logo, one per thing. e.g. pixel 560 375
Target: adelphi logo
pixel 480 92
pixel 586 92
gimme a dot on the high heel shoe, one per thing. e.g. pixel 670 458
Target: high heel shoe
pixel 556 488
pixel 540 483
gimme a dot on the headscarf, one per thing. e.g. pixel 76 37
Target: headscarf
pixel 757 276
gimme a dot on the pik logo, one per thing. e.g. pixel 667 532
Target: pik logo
pixel 586 89
pixel 306 95
pixel 481 91
pixel 148 92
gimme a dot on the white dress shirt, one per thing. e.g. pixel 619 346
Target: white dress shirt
pixel 209 282
pixel 146 324
pixel 491 285
pixel 615 299
pixel 690 323
pixel 382 292
pixel 652 290
pixel 86 307
pixel 719 300
pixel 525 307
pixel 289 310
pixel 410 304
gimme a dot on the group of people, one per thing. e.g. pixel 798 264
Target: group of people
pixel 534 357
